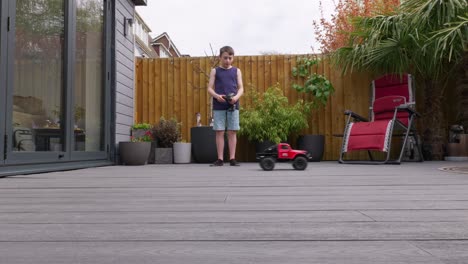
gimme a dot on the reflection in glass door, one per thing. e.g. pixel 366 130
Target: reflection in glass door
pixel 89 91
pixel 37 123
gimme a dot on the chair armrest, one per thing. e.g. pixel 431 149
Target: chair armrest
pixel 355 116
pixel 408 107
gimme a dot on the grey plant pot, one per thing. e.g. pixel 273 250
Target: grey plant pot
pixel 163 156
pixel 182 152
pixel 134 153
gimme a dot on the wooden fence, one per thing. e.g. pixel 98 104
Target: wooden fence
pixel 177 87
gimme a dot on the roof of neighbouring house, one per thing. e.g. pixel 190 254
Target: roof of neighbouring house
pixel 157 41
pixel 140 2
pixel 139 18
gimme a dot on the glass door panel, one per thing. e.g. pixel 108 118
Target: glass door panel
pixel 38 76
pixel 89 88
pixel 36 87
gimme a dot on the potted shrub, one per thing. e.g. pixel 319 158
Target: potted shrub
pixel 166 132
pixel 140 129
pixel 137 150
pixel 270 117
pixel 319 89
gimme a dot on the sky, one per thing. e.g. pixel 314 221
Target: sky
pixel 251 27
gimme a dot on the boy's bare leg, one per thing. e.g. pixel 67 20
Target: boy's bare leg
pixel 220 144
pixel 232 139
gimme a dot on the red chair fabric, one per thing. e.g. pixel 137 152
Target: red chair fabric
pixel 384 108
pixel 368 136
pixel 393 84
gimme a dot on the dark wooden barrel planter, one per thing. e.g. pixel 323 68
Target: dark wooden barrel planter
pixel 314 144
pixel 262 145
pixel 203 140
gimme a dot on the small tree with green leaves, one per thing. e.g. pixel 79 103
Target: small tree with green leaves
pixel 271 117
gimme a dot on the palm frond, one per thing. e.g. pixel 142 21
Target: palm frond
pixel 451 40
pixel 425 36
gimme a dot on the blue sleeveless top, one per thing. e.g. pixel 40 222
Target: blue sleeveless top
pixel 225 83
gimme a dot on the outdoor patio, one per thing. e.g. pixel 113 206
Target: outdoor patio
pixel 329 213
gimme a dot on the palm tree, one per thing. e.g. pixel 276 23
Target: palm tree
pixel 425 37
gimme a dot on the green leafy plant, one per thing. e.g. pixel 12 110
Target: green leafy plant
pixel 271 117
pixel 167 132
pixel 315 84
pixel 141 126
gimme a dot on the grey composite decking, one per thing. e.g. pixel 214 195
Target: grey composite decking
pixel 330 213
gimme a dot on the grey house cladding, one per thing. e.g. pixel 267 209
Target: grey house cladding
pixel 124 71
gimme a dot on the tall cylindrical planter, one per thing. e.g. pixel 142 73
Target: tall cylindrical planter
pixel 182 152
pixel 314 144
pixel 203 140
pixel 134 153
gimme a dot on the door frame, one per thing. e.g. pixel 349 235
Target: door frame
pixel 3 83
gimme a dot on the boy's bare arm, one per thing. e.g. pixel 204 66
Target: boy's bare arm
pixel 240 86
pixel 211 90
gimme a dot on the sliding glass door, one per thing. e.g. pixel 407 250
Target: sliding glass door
pixel 3 82
pixel 56 89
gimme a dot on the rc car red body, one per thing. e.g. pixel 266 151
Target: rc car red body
pixel 283 152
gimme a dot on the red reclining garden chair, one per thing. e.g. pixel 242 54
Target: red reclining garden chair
pixel 391 114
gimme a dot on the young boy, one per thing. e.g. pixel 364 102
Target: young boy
pixel 226 88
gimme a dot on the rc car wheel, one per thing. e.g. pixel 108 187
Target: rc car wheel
pixel 267 164
pixel 300 163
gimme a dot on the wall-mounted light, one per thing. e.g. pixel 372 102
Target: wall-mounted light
pixel 128 22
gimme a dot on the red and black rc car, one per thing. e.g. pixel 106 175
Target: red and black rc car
pixel 283 153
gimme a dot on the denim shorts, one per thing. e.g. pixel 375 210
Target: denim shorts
pixel 223 119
